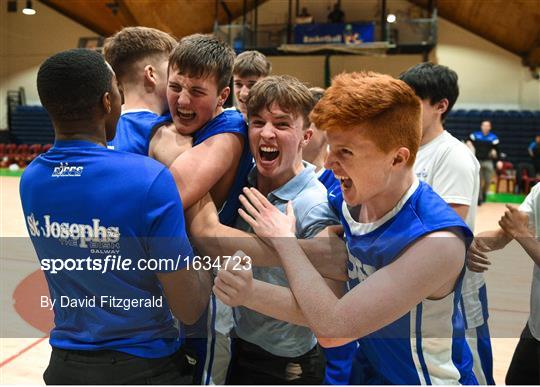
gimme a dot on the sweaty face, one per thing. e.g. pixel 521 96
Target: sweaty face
pixel 276 139
pixel 116 101
pixel 242 86
pixel 361 167
pixel 193 101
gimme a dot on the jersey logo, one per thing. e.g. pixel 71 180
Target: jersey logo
pixel 358 270
pixel 64 170
pixel 75 234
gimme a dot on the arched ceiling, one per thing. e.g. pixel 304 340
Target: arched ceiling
pixel 511 24
pixel 178 17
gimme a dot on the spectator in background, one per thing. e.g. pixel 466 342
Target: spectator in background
pixel 486 147
pixel 336 15
pixel 532 168
pixel 304 17
pixel 534 152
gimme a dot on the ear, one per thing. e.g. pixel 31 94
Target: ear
pixel 150 74
pixel 223 95
pixel 442 106
pixel 401 157
pixel 106 102
pixel 308 133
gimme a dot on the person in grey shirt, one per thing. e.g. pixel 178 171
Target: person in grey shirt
pixel 267 350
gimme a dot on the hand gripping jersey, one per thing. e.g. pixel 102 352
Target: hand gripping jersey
pixel 426 345
pixel 85 206
pixel 133 131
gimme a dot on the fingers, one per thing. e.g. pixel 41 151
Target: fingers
pixel 512 208
pixel 290 210
pixel 254 199
pixel 249 220
pixel 478 258
pixel 475 267
pixel 248 206
pixel 264 201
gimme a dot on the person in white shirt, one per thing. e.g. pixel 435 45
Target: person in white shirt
pixel 523 225
pixel 451 169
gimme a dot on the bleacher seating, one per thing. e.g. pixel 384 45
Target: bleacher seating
pixel 31 125
pixel 516 129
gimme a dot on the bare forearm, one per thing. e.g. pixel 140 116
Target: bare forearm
pixel 531 246
pixel 316 299
pixel 277 302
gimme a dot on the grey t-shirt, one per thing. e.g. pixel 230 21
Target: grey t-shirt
pixel 313 214
pixel 531 206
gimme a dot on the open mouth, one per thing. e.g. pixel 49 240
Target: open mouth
pixel 345 182
pixel 185 114
pixel 268 153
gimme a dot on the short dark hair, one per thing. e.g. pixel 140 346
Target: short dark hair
pixel 289 93
pixel 317 93
pixel 201 55
pixel 71 84
pixel 132 44
pixel 433 82
pixel 252 63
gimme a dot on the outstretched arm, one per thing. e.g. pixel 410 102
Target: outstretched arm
pixel 429 268
pixel 327 251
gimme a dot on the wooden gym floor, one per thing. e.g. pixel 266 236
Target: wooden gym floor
pixel 23 360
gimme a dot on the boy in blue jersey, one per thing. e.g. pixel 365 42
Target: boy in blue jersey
pixel 406 252
pixel 338 359
pixel 139 57
pixel 200 70
pixel 199 74
pixel 101 220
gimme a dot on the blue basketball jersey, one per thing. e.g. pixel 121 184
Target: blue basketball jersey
pixel 133 131
pixel 399 353
pixel 326 176
pixel 88 205
pixel 230 121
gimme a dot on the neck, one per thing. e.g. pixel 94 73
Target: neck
pixel 81 131
pixel 266 184
pixel 316 157
pixel 140 99
pixel 432 132
pixel 384 202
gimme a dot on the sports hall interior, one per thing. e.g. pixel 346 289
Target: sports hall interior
pixel 494 46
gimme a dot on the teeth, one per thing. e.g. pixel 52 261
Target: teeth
pixel 268 149
pixel 340 177
pixel 185 112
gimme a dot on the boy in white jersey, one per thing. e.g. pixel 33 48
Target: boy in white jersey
pixel 523 225
pixel 450 168
pixel 406 256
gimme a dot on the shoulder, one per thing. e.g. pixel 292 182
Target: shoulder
pixel 312 207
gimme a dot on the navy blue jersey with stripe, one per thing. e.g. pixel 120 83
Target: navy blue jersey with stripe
pixel 398 353
pixel 230 121
pixel 83 200
pixel 133 131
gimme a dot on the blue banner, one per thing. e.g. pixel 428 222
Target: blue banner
pixel 348 33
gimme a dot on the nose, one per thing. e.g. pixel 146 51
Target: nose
pixel 268 131
pixel 244 91
pixel 183 98
pixel 329 161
